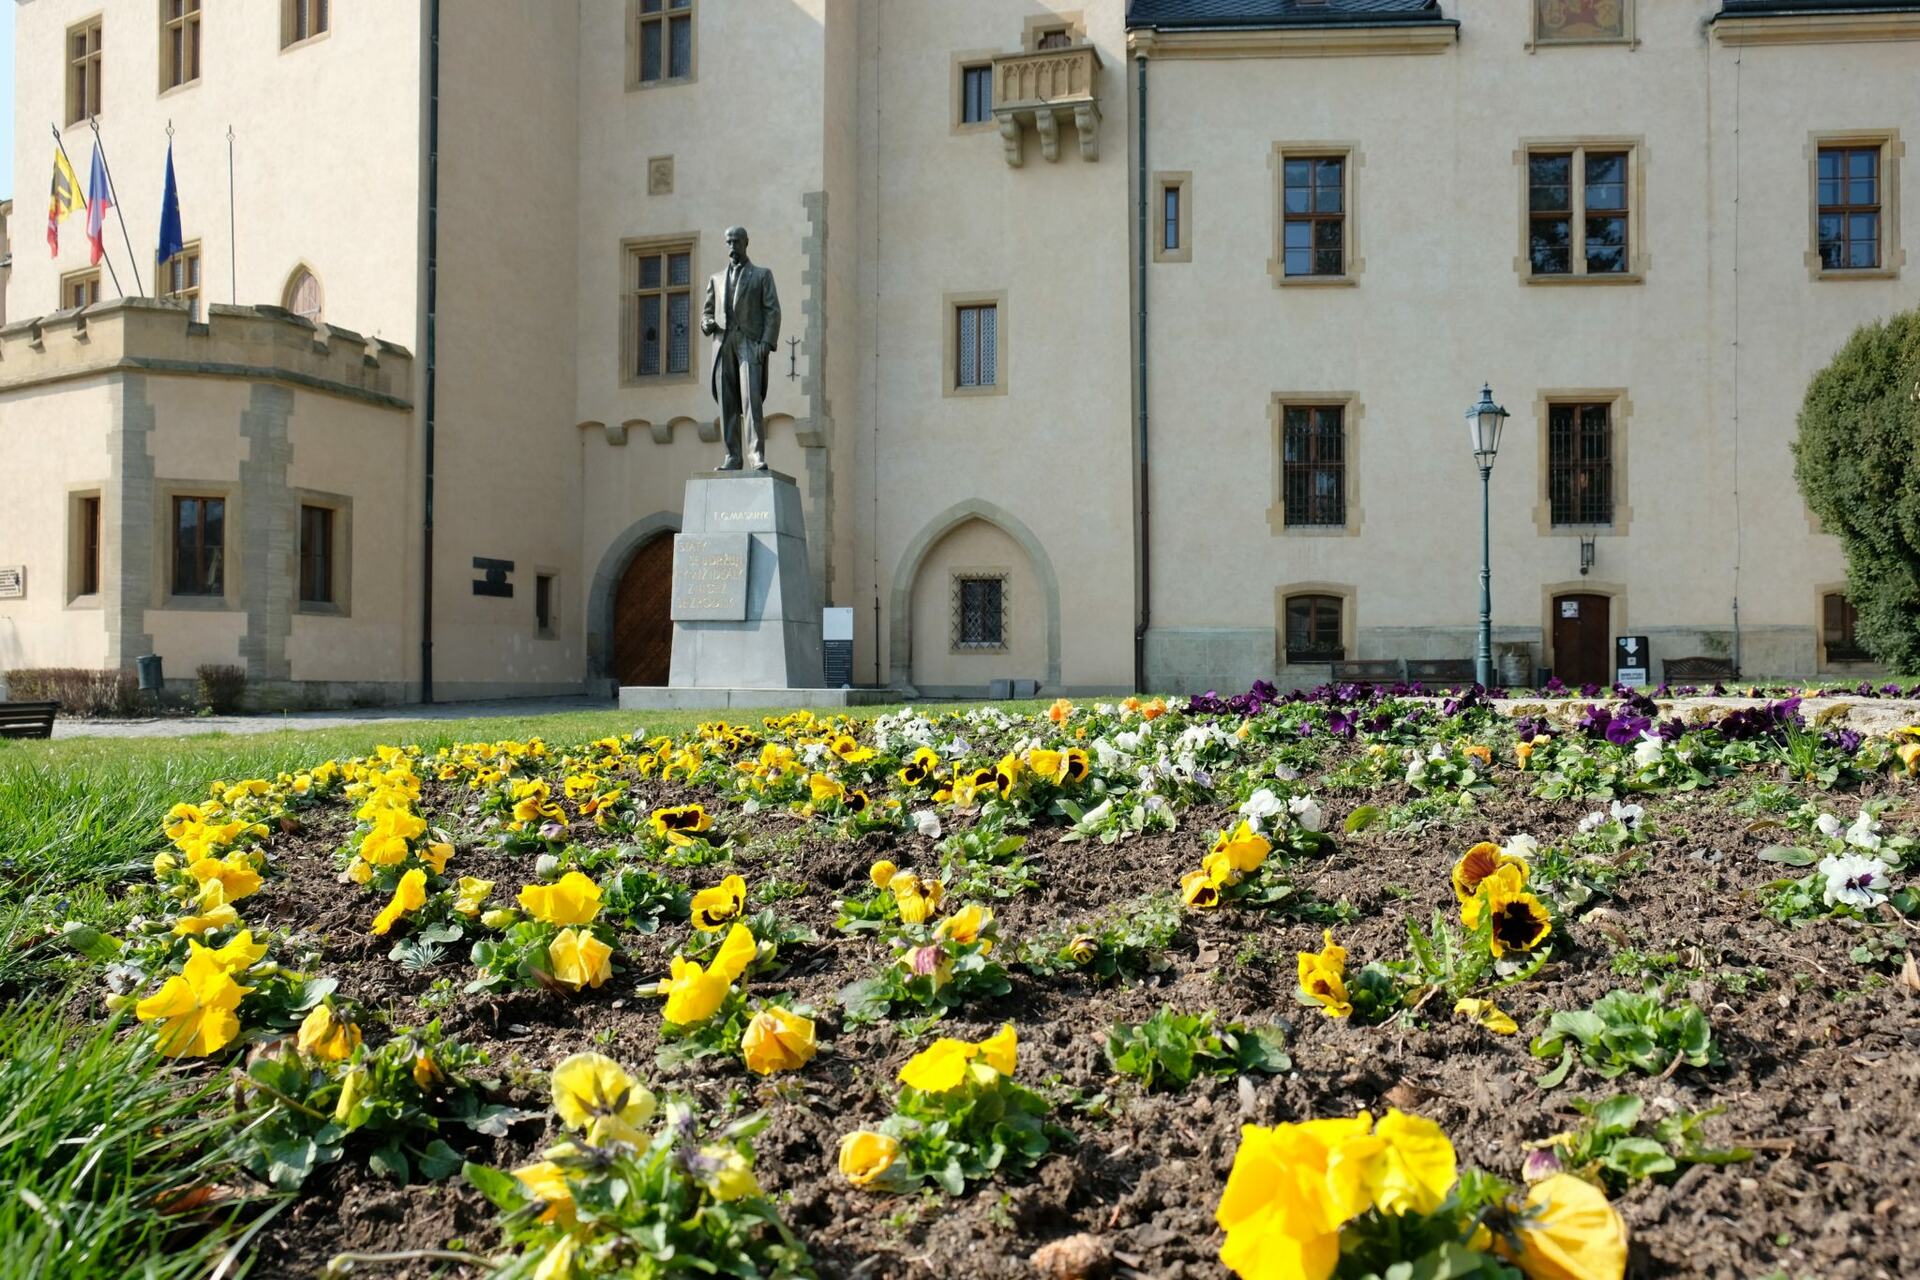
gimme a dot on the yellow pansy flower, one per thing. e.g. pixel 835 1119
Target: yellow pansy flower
pixel 326 1037
pixel 881 873
pixel 435 855
pixel 712 908
pixel 573 899
pixel 1520 921
pixel 596 1096
pixel 211 910
pixel 408 896
pixel 1323 977
pixel 1406 1165
pixel 682 820
pixel 726 1172
pixel 966 925
pixel 1050 765
pixel 195 1008
pixel 777 1040
pixel 578 959
pixel 1277 1211
pixel 1199 891
pixel 240 953
pixel 546 1182
pixel 1479 862
pixel 1487 1014
pixel 1567 1231
pixel 865 1156
pixel 235 872
pixel 470 897
pixel 823 787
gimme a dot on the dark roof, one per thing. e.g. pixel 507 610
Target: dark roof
pixel 1278 13
pixel 1775 8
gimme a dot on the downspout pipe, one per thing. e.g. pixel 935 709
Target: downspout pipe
pixel 1143 498
pixel 430 347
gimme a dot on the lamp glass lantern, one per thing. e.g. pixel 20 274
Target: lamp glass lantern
pixel 1484 423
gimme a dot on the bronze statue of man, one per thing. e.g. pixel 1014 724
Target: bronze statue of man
pixel 742 316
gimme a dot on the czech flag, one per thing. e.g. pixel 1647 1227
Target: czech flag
pixel 99 200
pixel 63 200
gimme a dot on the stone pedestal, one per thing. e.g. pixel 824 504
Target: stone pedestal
pixel 746 614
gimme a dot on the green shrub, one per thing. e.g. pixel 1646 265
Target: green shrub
pixel 221 687
pixel 1857 460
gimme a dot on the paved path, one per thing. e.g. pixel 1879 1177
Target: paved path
pixel 183 726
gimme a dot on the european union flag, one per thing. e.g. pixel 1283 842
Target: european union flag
pixel 170 241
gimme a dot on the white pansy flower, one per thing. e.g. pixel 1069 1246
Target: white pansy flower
pixel 1128 741
pixel 927 822
pixel 1262 804
pixel 1285 772
pixel 1521 846
pixel 1104 752
pixel 1648 750
pixel 1627 815
pixel 1103 708
pixel 956 747
pixel 1098 814
pixel 1306 811
pixel 1829 826
pixel 812 752
pixel 1592 820
pixel 1864 833
pixel 1854 880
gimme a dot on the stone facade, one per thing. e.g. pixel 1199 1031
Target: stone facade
pixel 901 166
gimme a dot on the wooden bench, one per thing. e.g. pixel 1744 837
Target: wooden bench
pixel 27 719
pixel 1369 671
pixel 1698 668
pixel 1441 670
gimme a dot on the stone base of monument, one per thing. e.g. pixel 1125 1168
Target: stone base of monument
pixel 657 698
pixel 746 616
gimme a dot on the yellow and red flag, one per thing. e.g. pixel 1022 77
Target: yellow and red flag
pixel 64 199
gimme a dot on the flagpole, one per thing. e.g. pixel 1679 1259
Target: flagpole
pixel 133 258
pixel 62 148
pixel 233 246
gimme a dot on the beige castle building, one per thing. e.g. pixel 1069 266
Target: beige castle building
pixel 1125 345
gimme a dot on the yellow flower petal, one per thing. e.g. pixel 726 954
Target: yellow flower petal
pixel 1487 1014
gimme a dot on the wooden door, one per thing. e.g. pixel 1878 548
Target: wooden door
pixel 642 630
pixel 1582 639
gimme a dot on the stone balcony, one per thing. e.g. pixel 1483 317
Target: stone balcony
pixel 1045 89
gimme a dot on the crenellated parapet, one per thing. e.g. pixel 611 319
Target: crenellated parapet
pixel 257 343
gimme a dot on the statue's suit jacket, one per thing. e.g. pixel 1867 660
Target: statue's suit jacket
pixel 756 315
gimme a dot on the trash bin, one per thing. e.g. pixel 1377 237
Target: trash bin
pixel 151 680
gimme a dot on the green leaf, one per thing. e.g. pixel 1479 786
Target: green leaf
pixel 90 942
pixel 1790 855
pixel 501 1188
pixel 439 1161
pixel 1617 1115
pixel 390 1162
pixel 1638 1158
pixel 1554 1078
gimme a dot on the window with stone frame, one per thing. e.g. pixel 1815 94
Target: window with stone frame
pixel 199 546
pixel 1313 465
pixel 1314 629
pixel 1580 486
pixel 1849 198
pixel 79 289
pixel 179 43
pixel 83 70
pixel 303 20
pixel 664 39
pixel 180 278
pixel 977 351
pixel 316 554
pixel 658 338
pixel 979 612
pixel 88 515
pixel 1579 211
pixel 1313 195
pixel 1838 619
pixel 976 93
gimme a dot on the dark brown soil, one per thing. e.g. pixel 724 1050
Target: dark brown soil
pixel 1823 1056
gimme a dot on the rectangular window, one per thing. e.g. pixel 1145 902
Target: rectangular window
pixel 199 546
pixel 980 613
pixel 1578 212
pixel 1055 38
pixel 1313 466
pixel 659 311
pixel 180 278
pixel 977 360
pixel 79 289
pixel 1170 217
pixel 1849 208
pixel 543 604
pixel 1580 463
pixel 316 555
pixel 666 40
pixel 83 71
pixel 90 545
pixel 1313 196
pixel 1313 629
pixel 1837 629
pixel 179 43
pixel 976 94
pixel 303 20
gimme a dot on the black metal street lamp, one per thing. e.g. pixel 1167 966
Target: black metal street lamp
pixel 1484 421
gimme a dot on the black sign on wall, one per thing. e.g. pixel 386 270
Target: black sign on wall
pixel 1632 655
pixel 495 582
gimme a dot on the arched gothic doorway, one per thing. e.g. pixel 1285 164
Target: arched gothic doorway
pixel 642 630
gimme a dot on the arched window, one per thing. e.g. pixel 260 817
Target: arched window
pixel 303 295
pixel 1313 629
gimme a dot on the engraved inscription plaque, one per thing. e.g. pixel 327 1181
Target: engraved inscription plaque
pixel 710 577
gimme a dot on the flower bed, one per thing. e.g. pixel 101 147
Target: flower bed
pixel 1298 986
